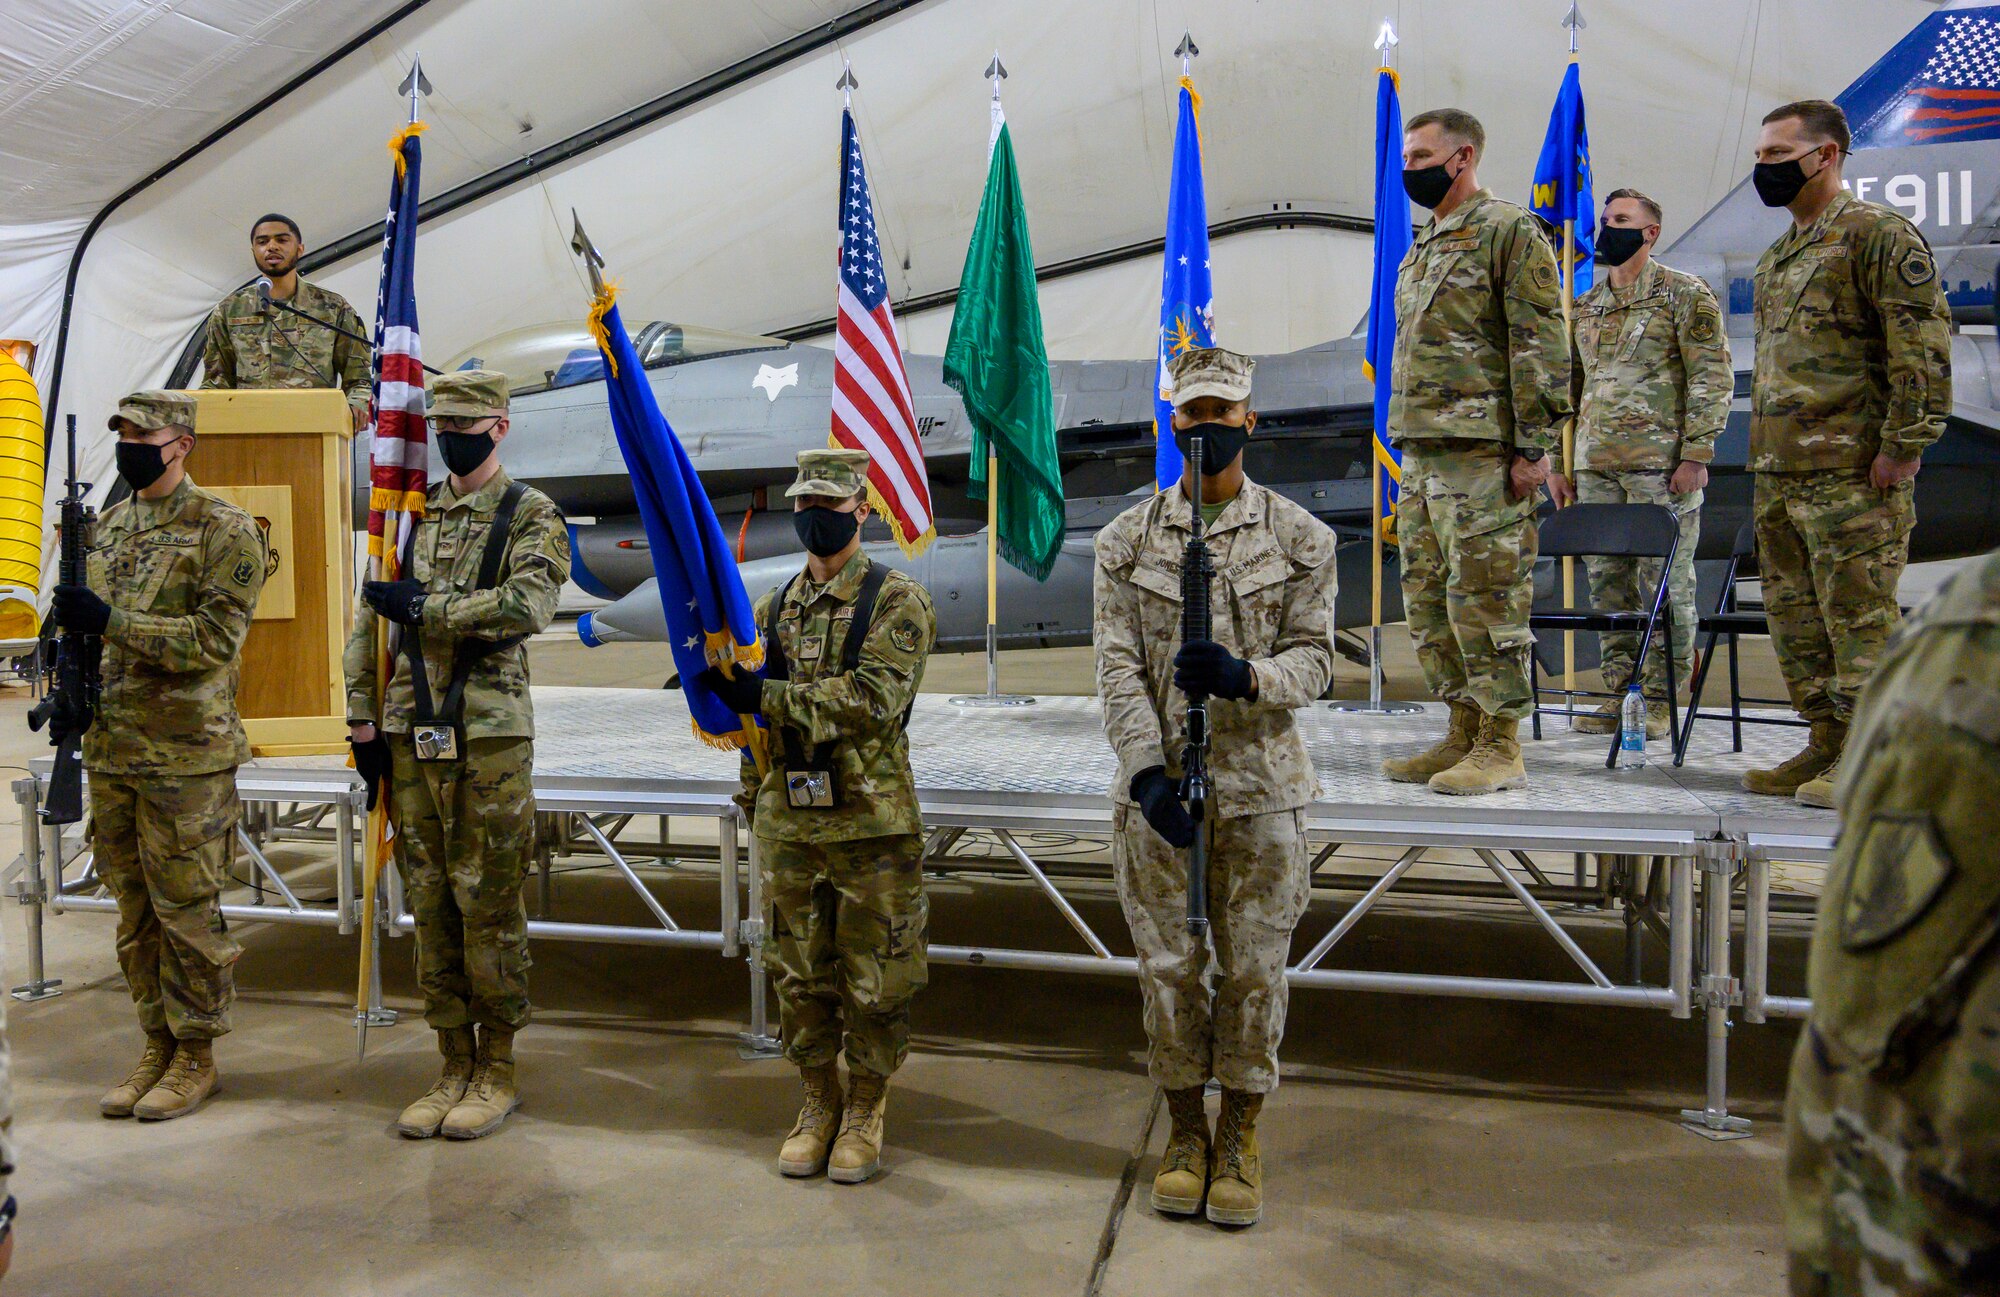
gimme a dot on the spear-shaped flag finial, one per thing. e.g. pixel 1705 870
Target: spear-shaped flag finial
pixel 415 85
pixel 996 72
pixel 1573 21
pixel 593 261
pixel 847 85
pixel 1187 51
pixel 1386 39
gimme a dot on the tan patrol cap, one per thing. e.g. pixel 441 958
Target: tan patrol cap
pixel 839 473
pixel 155 409
pixel 1210 371
pixel 468 394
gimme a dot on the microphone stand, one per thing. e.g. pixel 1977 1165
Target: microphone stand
pixel 264 298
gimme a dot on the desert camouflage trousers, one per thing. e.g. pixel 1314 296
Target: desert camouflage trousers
pixel 163 844
pixel 1830 549
pixel 466 831
pixel 1468 574
pixel 1257 890
pixel 1628 584
pixel 846 946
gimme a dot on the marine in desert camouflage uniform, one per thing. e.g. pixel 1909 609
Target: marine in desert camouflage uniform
pixel 1651 380
pixel 1892 1115
pixel 844 877
pixel 466 827
pixel 1481 388
pixel 174 577
pixel 246 344
pixel 1853 381
pixel 1272 652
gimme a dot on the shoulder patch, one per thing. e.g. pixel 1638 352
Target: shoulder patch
pixel 1900 869
pixel 1707 325
pixel 905 636
pixel 1543 275
pixel 245 571
pixel 1917 268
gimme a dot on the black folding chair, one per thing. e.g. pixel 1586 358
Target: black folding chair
pixel 1611 531
pixel 1732 619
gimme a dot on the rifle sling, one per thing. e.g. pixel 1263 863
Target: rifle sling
pixel 470 652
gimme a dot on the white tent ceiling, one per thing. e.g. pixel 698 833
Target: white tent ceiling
pixel 721 214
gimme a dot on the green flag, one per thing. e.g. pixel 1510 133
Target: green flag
pixel 997 361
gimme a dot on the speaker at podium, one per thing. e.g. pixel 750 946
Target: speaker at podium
pixel 282 456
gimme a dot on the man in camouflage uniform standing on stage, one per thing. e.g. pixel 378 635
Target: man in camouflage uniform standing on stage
pixel 249 344
pixel 174 576
pixel 1272 605
pixel 465 819
pixel 1892 1114
pixel 1481 389
pixel 1853 381
pixel 1651 380
pixel 839 837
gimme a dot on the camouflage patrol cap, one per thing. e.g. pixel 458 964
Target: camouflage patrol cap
pixel 1210 371
pixel 830 472
pixel 468 394
pixel 155 409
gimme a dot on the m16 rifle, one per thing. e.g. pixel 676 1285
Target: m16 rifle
pixel 71 703
pixel 1197 577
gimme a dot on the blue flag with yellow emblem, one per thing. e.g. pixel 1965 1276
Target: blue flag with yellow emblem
pixel 1187 297
pixel 1562 188
pixel 1392 244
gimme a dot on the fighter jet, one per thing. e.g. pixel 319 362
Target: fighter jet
pixel 1927 143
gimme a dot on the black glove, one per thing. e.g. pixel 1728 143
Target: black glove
pixel 401 602
pixel 66 723
pixel 743 692
pixel 1160 801
pixel 1205 667
pixel 78 608
pixel 371 762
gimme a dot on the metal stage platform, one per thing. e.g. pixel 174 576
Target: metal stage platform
pixel 1635 840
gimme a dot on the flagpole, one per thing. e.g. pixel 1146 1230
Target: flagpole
pixel 1574 22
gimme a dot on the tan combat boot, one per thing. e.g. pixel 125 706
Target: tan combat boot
pixel 1183 1176
pixel 1493 764
pixel 1819 791
pixel 857 1154
pixel 1446 753
pixel 152 1066
pixel 421 1119
pixel 490 1095
pixel 805 1149
pixel 1658 724
pixel 1235 1168
pixel 1605 720
pixel 186 1084
pixel 1817 757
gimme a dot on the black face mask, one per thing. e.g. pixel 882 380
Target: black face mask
pixel 823 531
pixel 1618 244
pixel 140 463
pixel 464 452
pixel 1778 183
pixel 1221 444
pixel 1427 186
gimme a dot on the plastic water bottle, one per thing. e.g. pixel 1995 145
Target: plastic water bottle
pixel 1632 731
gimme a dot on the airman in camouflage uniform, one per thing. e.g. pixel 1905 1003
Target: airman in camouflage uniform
pixel 1272 652
pixel 466 827
pixel 179 573
pixel 1892 1115
pixel 246 344
pixel 1852 382
pixel 844 878
pixel 1481 388
pixel 1651 380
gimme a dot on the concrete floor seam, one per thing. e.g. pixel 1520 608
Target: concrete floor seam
pixel 1121 1200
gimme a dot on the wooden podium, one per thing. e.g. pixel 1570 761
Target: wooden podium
pixel 282 457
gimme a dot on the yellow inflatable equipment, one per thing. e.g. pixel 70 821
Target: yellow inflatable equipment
pixel 20 506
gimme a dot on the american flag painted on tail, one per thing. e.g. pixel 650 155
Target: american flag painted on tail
pixel 398 459
pixel 872 409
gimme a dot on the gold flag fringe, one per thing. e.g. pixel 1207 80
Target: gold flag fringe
pixel 399 139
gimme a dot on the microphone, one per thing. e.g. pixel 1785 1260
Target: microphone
pixel 264 292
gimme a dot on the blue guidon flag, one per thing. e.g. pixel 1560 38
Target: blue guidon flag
pixel 709 617
pixel 1187 294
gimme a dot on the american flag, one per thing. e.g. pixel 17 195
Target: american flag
pixel 872 409
pixel 1959 89
pixel 397 458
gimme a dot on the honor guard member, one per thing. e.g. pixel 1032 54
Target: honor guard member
pixel 1651 380
pixel 455 738
pixel 835 815
pixel 1892 1114
pixel 1272 603
pixel 1480 391
pixel 251 343
pixel 1853 380
pixel 174 575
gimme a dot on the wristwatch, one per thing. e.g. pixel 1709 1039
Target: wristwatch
pixel 1533 454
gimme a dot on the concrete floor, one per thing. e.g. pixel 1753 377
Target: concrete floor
pixel 1416 1146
